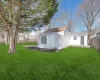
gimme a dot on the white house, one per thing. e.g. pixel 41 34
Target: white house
pixel 78 38
pixel 59 38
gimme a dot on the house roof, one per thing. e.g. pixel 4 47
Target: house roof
pixel 79 33
pixel 55 29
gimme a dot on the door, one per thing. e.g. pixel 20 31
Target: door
pixel 82 40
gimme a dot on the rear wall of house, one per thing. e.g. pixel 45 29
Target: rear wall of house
pixel 64 41
pixel 78 40
pixel 52 41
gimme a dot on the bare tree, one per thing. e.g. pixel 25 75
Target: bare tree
pixel 70 25
pixel 89 12
pixel 69 21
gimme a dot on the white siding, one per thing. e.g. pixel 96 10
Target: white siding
pixel 78 41
pixel 86 40
pixel 64 41
pixel 58 40
pixel 75 42
pixel 52 40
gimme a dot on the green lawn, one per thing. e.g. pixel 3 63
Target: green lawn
pixel 68 64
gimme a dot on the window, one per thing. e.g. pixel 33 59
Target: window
pixel 24 38
pixel 44 40
pixel 75 38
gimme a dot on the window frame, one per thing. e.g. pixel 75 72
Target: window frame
pixel 74 37
pixel 44 40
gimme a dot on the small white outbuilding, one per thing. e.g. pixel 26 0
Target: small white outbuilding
pixel 60 38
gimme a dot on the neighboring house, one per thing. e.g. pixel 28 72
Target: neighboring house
pixel 95 33
pixel 25 36
pixel 95 39
pixel 2 36
pixel 2 39
pixel 22 37
pixel 60 38
pixel 98 34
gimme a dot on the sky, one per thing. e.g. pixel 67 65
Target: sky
pixel 65 5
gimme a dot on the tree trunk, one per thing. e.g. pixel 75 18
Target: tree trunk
pixel 89 39
pixel 16 35
pixel 12 40
pixel 6 37
pixel 12 43
pixel 28 36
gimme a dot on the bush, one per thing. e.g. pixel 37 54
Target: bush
pixel 96 43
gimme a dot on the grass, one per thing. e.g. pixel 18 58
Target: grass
pixel 68 64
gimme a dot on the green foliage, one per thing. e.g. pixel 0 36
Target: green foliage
pixel 68 64
pixel 32 12
pixel 50 12
pixel 43 11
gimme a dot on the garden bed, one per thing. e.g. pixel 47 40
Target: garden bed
pixel 43 49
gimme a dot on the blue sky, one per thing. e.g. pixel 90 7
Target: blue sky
pixel 66 4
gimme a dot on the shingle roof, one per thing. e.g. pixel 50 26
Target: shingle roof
pixel 56 29
pixel 79 33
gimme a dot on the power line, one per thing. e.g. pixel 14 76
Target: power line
pixel 65 8
pixel 72 10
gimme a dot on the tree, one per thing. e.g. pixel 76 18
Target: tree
pixel 70 24
pixel 89 12
pixel 4 29
pixel 69 21
pixel 17 14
